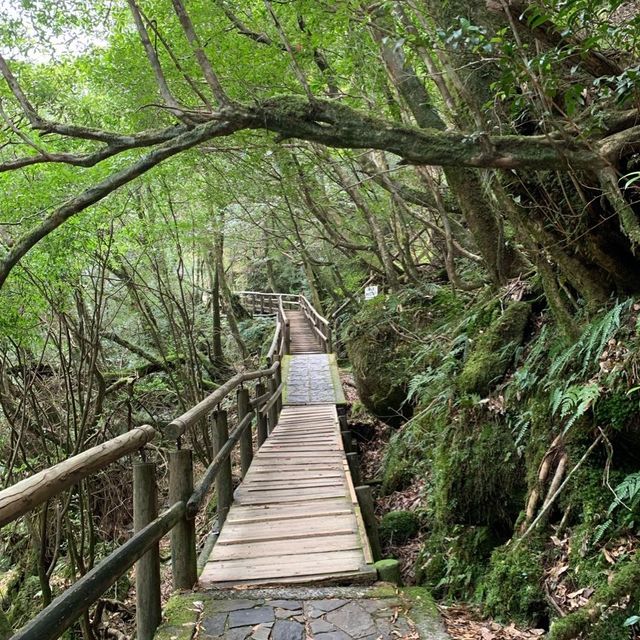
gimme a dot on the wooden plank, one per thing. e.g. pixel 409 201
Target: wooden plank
pixel 364 575
pixel 289 495
pixel 258 500
pixel 287 567
pixel 280 548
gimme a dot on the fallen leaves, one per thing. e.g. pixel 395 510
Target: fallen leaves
pixel 463 623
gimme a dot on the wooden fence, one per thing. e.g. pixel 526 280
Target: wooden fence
pixel 262 303
pixel 262 406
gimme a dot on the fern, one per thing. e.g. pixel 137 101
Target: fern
pixel 599 532
pixel 575 402
pixel 628 491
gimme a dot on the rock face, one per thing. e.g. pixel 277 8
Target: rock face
pixel 493 351
pixel 340 613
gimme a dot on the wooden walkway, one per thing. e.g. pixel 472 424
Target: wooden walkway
pixel 295 517
pixel 303 339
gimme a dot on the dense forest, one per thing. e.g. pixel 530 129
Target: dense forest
pixel 476 160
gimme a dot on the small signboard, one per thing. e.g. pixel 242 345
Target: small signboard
pixel 370 292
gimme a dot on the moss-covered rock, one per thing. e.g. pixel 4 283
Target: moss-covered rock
pixel 513 588
pixel 453 559
pixel 493 351
pixel 378 358
pixel 181 614
pixel 396 527
pixel 399 466
pixel 381 341
pixel 479 479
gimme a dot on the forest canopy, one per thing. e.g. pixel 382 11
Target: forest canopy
pixel 477 160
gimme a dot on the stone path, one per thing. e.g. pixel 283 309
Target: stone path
pixel 348 613
pixel 310 380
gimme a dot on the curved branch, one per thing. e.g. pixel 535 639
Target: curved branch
pixel 94 194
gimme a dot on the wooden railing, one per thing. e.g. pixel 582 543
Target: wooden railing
pixel 320 324
pixel 263 303
pixel 149 527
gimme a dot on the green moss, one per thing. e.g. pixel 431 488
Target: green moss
pixel 396 527
pixel 453 559
pixel 5 628
pixel 478 477
pixel 399 466
pixel 513 586
pixel 382 591
pixel 421 597
pixel 494 350
pixel 24 602
pixel 595 617
pixel 181 615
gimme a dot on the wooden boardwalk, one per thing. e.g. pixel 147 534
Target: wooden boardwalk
pixel 295 517
pixel 303 339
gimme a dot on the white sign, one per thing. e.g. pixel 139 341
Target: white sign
pixel 370 292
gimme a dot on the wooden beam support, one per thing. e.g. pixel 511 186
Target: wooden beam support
pixel 365 500
pixel 145 511
pixel 246 440
pixel 183 536
pixel 224 479
pixel 261 418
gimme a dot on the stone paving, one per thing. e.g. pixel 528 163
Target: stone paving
pixel 309 380
pixel 346 613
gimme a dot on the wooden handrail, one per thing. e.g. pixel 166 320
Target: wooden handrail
pixel 176 428
pixel 27 494
pixel 31 492
pixel 52 621
pixel 275 342
pixel 313 310
pixel 212 470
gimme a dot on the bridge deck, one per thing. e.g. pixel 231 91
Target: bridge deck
pixel 295 517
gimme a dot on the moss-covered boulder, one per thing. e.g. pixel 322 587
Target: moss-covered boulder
pixel 513 588
pixel 479 479
pixel 397 527
pixel 378 356
pixel 453 559
pixel 386 342
pixel 493 351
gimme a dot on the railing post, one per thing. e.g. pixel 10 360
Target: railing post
pixel 183 535
pixel 224 479
pixel 273 409
pixel 278 378
pixel 261 418
pixel 145 510
pixel 354 467
pixel 329 339
pixel 287 337
pixel 246 442
pixel 365 500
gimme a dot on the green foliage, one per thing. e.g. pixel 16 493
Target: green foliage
pixel 453 559
pixel 572 403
